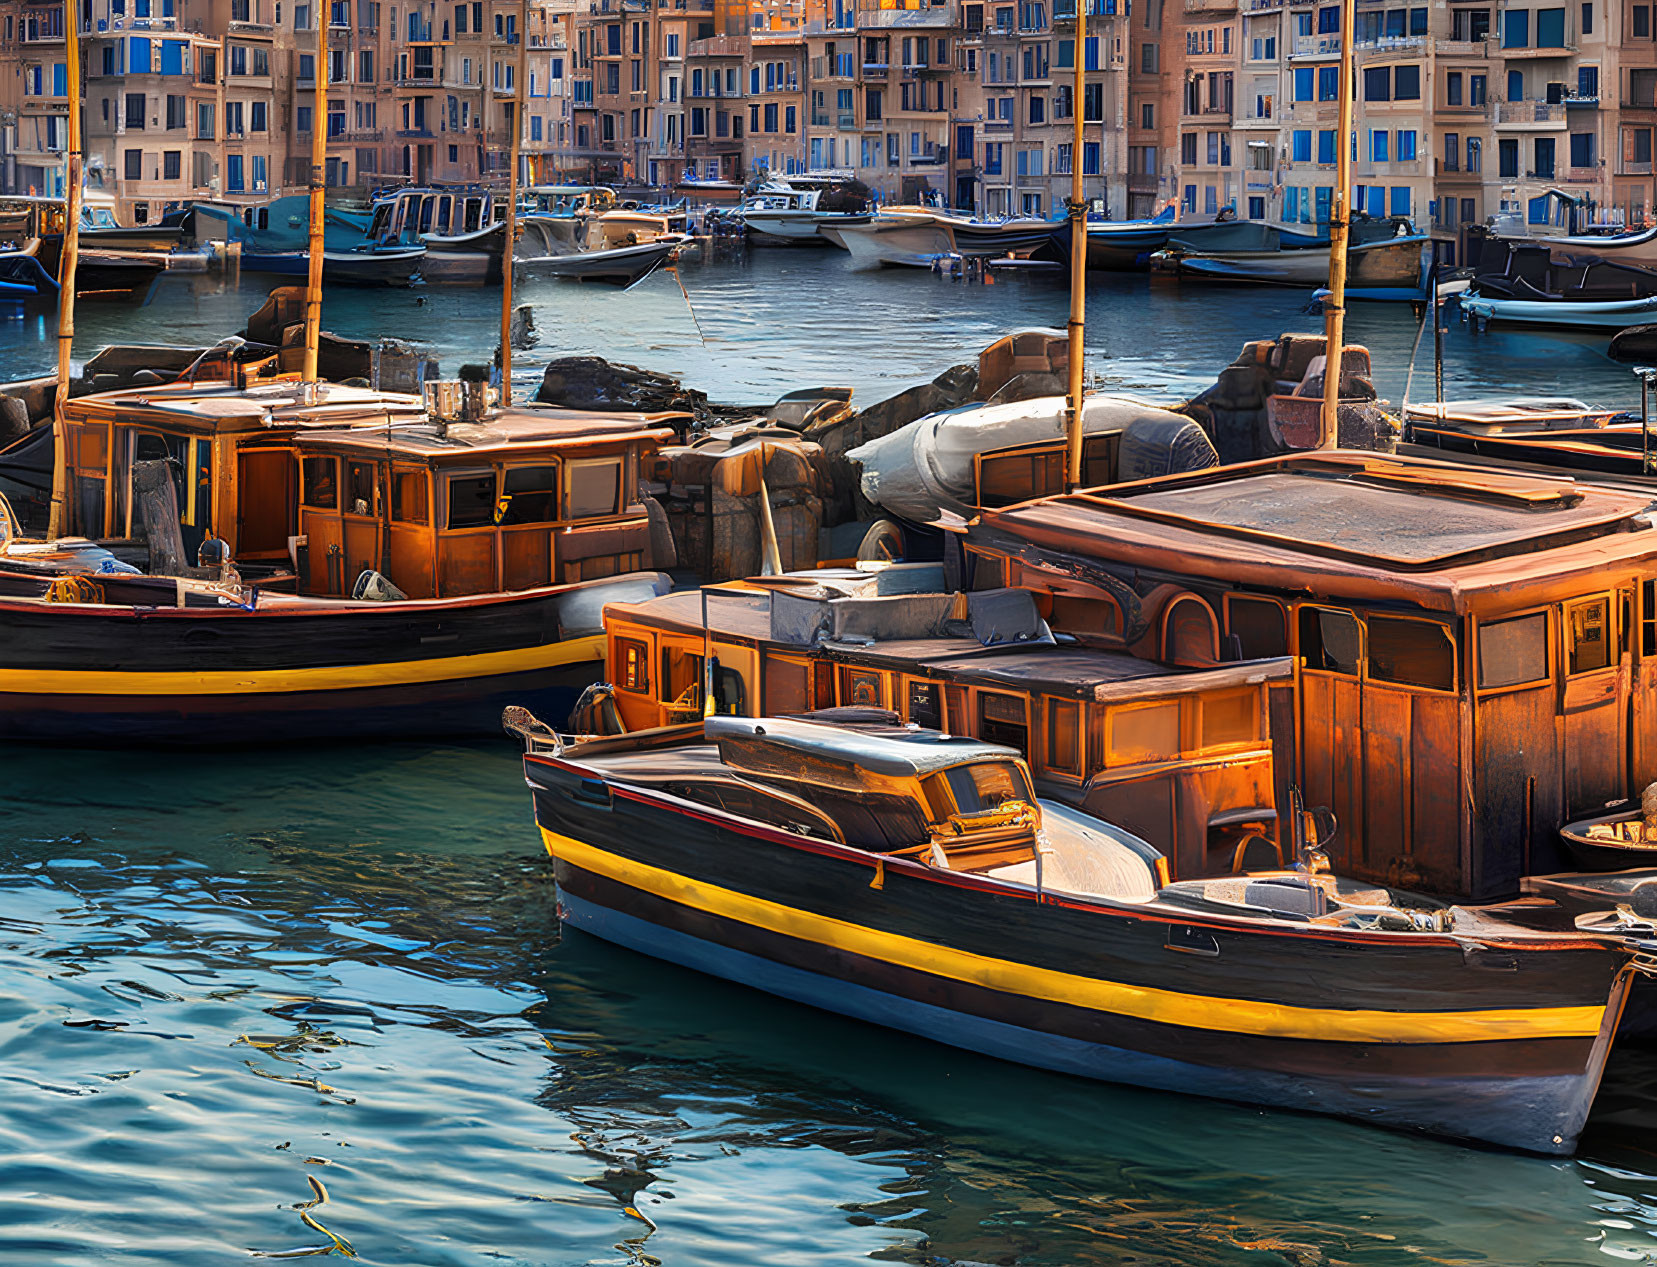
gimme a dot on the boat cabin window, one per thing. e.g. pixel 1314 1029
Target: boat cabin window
pixel 1513 652
pixel 1001 719
pixel 925 705
pixel 1005 479
pixel 471 500
pixel 531 495
pixel 410 502
pixel 1096 617
pixel 359 485
pixel 1648 618
pixel 861 688
pixel 1412 653
pixel 1230 718
pixel 426 214
pixel 632 665
pixel 681 681
pixel 443 215
pixel 1259 625
pixel 981 786
pixel 593 488
pixel 1588 627
pixel 787 686
pixel 1148 733
pixel 1064 736
pixel 322 482
pixel 474 215
pixel 1331 641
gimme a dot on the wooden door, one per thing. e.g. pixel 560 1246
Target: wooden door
pixel 1642 707
pixel 362 538
pixel 410 541
pixel 1594 703
pixel 266 490
pixel 1330 643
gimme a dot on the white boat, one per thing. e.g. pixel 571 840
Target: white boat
pixel 1566 314
pixel 902 237
pixel 791 210
pixel 1621 248
pixel 619 248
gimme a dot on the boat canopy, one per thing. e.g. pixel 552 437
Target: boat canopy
pixel 892 753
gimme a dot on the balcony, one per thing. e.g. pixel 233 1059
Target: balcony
pixel 847 120
pixel 1582 175
pixel 942 16
pixel 1211 6
pixel 1627 168
pixel 1255 123
pixel 1461 48
pixel 1391 43
pixel 716 46
pixel 1585 102
pixel 1317 46
pixel 1538 54
pixel 875 71
pixel 1530 116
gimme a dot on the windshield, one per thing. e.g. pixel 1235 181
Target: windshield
pixel 984 785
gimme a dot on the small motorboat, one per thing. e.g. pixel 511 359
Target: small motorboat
pixel 898 237
pixel 790 210
pixel 361 266
pixel 990 239
pixel 1394 268
pixel 1566 314
pixel 913 879
pixel 616 248
pixel 1615 842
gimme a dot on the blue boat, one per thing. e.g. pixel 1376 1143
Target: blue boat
pixel 359 266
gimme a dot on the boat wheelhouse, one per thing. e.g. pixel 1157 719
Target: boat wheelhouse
pixel 1476 651
pixel 1181 756
pixel 319 484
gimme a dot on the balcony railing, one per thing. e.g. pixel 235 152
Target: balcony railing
pixel 1530 114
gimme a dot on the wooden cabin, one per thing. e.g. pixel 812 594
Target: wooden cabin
pixel 312 492
pixel 1181 757
pixel 1474 651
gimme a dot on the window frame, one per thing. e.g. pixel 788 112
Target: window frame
pixel 1549 644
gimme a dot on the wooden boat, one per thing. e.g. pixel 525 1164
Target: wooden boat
pixel 485 541
pixel 465 259
pixel 1562 434
pixel 899 237
pixel 462 229
pixel 914 880
pixel 120 660
pixel 1615 314
pixel 99 228
pixel 363 266
pixel 1635 345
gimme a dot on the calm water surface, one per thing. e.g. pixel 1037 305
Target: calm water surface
pixel 224 974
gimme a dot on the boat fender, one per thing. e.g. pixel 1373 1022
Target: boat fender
pixel 1163 446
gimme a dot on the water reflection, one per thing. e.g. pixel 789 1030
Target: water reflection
pixel 224 974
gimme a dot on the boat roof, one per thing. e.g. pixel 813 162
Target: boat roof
pixel 1070 672
pixel 516 430
pixel 1424 531
pixel 890 752
pixel 1510 409
pixel 363 417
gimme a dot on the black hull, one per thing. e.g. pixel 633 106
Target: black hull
pixel 1412 1032
pixel 289 671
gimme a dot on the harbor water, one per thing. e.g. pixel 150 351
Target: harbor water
pixel 226 974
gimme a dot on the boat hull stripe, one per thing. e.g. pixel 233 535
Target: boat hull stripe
pixel 343 677
pixel 1201 1012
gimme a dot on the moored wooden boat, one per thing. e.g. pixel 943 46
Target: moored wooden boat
pixel 1389 269
pixel 365 266
pixel 1611 842
pixel 902 237
pixel 913 880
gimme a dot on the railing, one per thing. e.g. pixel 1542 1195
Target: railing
pixel 1522 113
pixel 1627 168
pixel 874 70
pixel 1582 175
pixel 1460 48
pixel 1317 46
pixel 1389 43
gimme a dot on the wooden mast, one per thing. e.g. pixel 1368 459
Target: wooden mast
pixel 69 257
pixel 319 183
pixel 516 151
pixel 1078 258
pixel 1340 222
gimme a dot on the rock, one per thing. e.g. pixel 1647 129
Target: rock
pixel 591 382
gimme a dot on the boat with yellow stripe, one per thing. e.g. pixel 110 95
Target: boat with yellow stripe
pixel 913 879
pixel 326 561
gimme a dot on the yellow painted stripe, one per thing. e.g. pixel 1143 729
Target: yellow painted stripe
pixel 1195 1011
pixel 279 681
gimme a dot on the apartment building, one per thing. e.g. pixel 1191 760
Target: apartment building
pixel 1529 113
